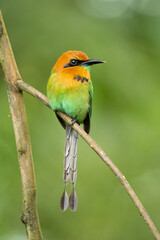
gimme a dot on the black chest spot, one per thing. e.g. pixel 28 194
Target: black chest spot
pixel 80 78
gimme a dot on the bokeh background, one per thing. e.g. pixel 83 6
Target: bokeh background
pixel 125 120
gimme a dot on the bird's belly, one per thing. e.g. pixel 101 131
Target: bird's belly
pixel 76 107
pixel 74 103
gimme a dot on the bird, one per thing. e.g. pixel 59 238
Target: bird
pixel 70 90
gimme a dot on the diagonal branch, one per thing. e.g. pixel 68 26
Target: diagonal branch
pixel 18 114
pixel 35 93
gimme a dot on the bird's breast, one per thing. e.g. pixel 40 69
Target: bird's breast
pixel 73 78
pixel 80 78
pixel 70 93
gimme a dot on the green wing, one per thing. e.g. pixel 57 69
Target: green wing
pixel 88 117
pixel 91 97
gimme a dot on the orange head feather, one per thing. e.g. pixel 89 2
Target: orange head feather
pixel 66 57
pixel 72 59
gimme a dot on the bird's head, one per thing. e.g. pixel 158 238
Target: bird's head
pixel 73 60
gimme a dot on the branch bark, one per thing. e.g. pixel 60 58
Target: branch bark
pixel 18 114
pixel 15 86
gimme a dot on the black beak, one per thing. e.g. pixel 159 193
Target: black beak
pixel 92 61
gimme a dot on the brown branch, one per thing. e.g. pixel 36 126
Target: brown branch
pixel 35 93
pixel 14 84
pixel 18 114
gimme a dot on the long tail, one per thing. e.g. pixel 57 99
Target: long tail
pixel 70 168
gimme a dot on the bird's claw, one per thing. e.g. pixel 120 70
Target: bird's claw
pixel 73 121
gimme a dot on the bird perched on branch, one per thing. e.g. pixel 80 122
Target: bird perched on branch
pixel 70 90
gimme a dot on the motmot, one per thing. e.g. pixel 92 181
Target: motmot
pixel 70 91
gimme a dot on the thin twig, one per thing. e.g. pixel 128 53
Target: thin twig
pixel 35 93
pixel 17 108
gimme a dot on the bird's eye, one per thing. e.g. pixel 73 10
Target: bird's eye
pixel 73 62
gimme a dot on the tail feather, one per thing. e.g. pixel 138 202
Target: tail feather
pixel 73 154
pixel 73 200
pixel 66 162
pixel 70 167
pixel 64 201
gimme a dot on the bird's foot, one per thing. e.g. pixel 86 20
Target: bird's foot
pixel 73 121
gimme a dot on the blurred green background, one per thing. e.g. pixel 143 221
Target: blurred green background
pixel 125 120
